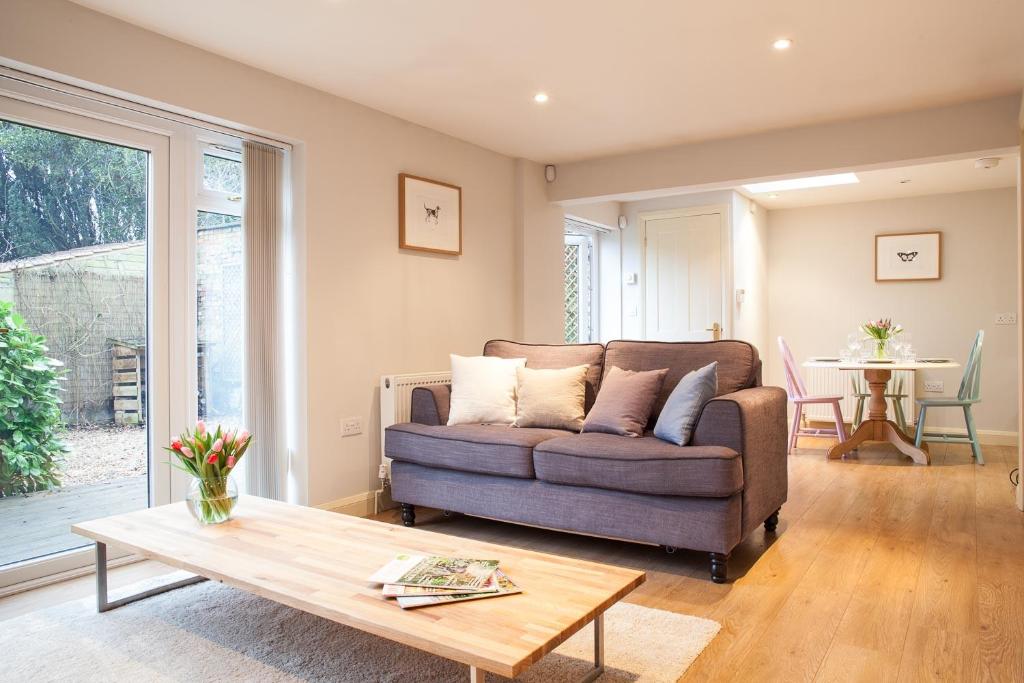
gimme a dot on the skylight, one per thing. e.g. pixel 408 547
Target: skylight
pixel 803 183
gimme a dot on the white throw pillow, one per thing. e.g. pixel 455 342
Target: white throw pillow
pixel 483 390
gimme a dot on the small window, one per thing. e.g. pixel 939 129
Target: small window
pixel 580 302
pixel 222 172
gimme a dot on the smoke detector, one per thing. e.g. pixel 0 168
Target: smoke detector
pixel 986 163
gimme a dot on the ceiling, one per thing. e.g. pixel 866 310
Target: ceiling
pixel 621 76
pixel 924 179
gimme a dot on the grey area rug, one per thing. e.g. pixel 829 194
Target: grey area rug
pixel 211 632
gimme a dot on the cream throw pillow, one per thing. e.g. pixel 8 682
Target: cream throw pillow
pixel 551 398
pixel 483 390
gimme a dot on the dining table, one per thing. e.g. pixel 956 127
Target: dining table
pixel 878 426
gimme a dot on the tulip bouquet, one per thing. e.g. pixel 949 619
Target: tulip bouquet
pixel 881 331
pixel 210 456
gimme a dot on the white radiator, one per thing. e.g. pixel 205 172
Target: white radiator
pixel 396 401
pixel 834 382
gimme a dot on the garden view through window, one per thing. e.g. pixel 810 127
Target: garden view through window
pixel 73 336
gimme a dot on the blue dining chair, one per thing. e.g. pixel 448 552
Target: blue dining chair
pixel 968 395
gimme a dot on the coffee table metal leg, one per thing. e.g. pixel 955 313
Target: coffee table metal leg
pixel 104 605
pixel 598 669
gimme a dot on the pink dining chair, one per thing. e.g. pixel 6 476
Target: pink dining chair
pixel 798 395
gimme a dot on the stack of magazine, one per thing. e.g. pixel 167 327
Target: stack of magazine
pixel 418 581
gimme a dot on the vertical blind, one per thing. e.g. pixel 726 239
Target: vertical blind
pixel 261 227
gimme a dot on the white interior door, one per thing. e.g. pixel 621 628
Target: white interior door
pixel 683 277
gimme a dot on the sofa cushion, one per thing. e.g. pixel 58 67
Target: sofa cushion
pixel 554 357
pixel 644 465
pixel 739 366
pixel 486 449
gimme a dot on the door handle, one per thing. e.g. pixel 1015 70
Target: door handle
pixel 715 330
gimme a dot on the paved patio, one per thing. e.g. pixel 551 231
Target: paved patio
pixel 39 524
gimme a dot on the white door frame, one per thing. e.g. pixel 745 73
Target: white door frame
pixel 723 210
pixel 168 410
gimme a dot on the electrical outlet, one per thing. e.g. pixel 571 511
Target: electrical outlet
pixel 382 472
pixel 1006 319
pixel 933 385
pixel 350 426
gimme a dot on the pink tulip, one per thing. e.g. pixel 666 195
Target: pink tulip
pixel 243 437
pixel 217 445
pixel 213 458
pixel 231 461
pixel 228 438
pixel 187 452
pixel 200 428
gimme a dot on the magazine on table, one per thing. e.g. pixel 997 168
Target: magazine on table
pixel 394 590
pixel 502 586
pixel 436 572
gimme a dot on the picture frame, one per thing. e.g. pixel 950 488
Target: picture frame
pixel 429 215
pixel 908 256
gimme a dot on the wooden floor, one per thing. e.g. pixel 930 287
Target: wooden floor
pixel 40 524
pixel 880 571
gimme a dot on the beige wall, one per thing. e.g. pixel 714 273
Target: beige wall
pixel 371 308
pixel 821 274
pixel 540 227
pixel 856 144
pixel 750 273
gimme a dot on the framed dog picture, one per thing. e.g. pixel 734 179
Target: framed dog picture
pixel 908 256
pixel 429 215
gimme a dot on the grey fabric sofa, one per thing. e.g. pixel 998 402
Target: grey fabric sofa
pixel 706 496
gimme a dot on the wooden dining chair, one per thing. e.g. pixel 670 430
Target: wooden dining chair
pixel 893 392
pixel 798 395
pixel 967 396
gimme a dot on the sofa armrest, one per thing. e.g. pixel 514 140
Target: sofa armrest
pixel 430 404
pixel 752 422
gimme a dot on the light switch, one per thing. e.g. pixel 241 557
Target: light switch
pixel 350 426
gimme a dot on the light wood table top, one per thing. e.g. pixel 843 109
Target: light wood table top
pixel 318 562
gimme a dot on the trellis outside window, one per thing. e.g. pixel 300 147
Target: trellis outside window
pixel 580 266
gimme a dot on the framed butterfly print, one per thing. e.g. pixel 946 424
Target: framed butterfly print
pixel 429 215
pixel 908 256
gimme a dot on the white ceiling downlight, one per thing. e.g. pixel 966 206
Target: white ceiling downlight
pixel 540 98
pixel 803 183
pixel 782 44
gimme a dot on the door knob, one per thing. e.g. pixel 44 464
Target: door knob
pixel 715 330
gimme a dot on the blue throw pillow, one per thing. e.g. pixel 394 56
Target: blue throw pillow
pixel 678 417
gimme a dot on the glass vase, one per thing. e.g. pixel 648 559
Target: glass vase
pixel 211 500
pixel 881 346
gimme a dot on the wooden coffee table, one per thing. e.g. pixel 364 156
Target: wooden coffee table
pixel 318 561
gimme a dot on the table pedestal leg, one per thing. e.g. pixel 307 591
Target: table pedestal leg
pixel 878 427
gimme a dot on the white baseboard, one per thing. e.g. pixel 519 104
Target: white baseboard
pixel 359 505
pixel 989 437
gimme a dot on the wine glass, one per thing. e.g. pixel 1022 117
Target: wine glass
pixel 854 343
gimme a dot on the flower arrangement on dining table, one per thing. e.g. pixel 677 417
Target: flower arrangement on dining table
pixel 881 331
pixel 209 457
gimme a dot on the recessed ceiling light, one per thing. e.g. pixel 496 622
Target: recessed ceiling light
pixel 773 195
pixel 540 98
pixel 803 183
pixel 904 181
pixel 782 44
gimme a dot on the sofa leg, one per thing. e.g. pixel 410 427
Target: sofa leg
pixel 408 514
pixel 772 523
pixel 719 567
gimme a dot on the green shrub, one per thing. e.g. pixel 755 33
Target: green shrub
pixel 31 449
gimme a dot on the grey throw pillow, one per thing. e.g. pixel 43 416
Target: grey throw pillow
pixel 624 402
pixel 678 417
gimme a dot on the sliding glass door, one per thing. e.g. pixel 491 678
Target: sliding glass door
pixel 85 333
